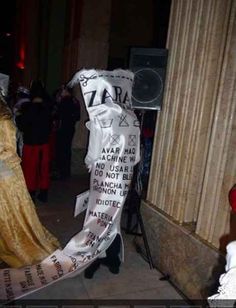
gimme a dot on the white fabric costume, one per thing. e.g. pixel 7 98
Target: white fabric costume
pixel 113 151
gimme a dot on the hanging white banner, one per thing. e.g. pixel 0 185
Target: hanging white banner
pixel 112 153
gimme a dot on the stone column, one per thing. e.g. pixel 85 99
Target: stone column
pixel 193 144
pixel 87 48
pixel 220 172
pixel 94 34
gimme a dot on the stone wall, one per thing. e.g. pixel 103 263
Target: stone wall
pixel 194 267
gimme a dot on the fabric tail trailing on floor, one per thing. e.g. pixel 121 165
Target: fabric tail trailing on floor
pixel 112 153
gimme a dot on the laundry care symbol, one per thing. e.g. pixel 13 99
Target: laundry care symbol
pixel 105 123
pixel 84 79
pixel 123 121
pixel 132 140
pixel 114 139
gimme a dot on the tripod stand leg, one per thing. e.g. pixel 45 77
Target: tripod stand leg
pixel 128 223
pixel 148 252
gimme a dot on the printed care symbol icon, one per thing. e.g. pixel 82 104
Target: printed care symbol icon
pixel 132 140
pixel 105 123
pixel 84 79
pixel 114 139
pixel 123 121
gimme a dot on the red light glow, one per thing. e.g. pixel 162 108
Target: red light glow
pixel 21 63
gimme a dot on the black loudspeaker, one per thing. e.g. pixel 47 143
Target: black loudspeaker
pixel 149 67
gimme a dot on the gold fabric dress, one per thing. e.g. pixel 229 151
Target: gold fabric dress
pixel 23 239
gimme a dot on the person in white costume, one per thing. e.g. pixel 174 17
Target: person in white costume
pixel 113 151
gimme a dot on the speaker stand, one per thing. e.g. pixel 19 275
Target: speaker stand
pixel 135 198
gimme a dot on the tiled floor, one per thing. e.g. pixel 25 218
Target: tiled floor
pixel 135 280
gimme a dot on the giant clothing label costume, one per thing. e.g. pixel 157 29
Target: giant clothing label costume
pixel 113 151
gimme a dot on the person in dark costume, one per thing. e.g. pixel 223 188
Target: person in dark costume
pixel 35 123
pixel 67 114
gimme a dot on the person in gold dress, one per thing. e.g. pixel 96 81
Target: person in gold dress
pixel 23 239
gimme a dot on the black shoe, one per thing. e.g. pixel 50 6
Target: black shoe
pixel 43 195
pixel 113 266
pixel 114 269
pixel 90 271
